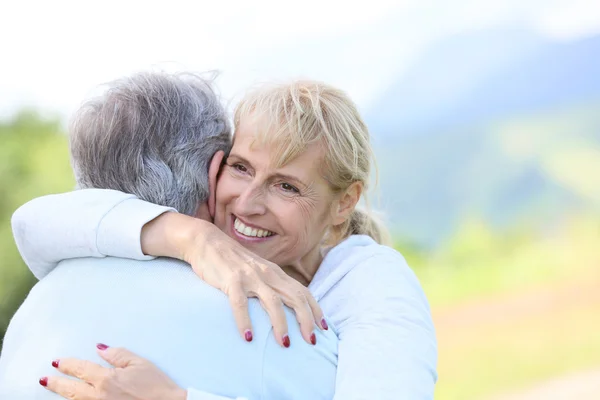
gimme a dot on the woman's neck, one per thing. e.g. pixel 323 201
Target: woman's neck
pixel 305 269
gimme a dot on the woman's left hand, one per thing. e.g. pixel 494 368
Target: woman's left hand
pixel 132 378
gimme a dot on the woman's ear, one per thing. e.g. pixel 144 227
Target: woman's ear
pixel 347 202
pixel 213 172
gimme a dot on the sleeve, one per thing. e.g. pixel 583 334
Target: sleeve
pixel 83 223
pixel 193 394
pixel 387 346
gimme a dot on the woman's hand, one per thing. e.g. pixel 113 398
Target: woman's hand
pixel 228 266
pixel 134 378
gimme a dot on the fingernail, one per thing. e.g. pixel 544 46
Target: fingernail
pixel 44 381
pixel 248 335
pixel 313 339
pixel 286 341
pixel 101 346
pixel 324 324
pixel 55 363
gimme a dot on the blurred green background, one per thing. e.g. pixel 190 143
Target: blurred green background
pixel 489 156
pixel 34 160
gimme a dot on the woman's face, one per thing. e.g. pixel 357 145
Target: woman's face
pixel 281 214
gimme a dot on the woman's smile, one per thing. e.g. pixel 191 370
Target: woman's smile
pixel 245 231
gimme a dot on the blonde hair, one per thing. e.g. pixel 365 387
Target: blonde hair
pixel 296 115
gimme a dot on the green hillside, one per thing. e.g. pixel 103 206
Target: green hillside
pixel 525 170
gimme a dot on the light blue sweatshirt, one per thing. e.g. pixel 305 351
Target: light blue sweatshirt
pixel 160 310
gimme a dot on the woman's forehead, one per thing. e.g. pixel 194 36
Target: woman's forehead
pixel 283 147
pixel 306 166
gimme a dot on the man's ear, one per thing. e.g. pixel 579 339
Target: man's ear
pixel 213 172
pixel 347 202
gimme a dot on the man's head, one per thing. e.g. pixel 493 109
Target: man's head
pixel 153 135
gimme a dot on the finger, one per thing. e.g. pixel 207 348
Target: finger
pixel 317 312
pixel 239 304
pixel 273 305
pixel 295 299
pixel 69 388
pixel 276 278
pixel 118 356
pixel 82 369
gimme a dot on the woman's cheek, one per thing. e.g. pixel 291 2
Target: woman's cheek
pixel 306 207
pixel 227 187
pixel 307 218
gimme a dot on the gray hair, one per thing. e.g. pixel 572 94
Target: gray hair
pixel 152 135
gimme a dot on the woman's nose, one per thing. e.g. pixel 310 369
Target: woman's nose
pixel 251 202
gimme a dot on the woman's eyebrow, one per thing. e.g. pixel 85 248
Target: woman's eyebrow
pixel 277 175
pixel 239 158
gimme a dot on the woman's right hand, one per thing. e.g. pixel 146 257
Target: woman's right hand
pixel 228 266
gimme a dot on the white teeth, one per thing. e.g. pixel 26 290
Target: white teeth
pixel 247 231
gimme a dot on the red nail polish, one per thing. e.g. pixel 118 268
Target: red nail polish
pixel 286 341
pixel 101 346
pixel 248 336
pixel 55 363
pixel 44 381
pixel 324 324
pixel 313 339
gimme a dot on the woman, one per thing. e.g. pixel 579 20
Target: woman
pixel 288 192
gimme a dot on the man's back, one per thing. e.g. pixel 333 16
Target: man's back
pixel 160 310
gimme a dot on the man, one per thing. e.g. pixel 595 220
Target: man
pixel 161 138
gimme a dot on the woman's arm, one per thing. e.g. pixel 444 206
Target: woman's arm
pixel 83 223
pixel 100 222
pixel 387 346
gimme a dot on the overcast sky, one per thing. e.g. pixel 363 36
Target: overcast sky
pixel 53 53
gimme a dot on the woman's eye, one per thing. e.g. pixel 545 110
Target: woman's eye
pixel 240 168
pixel 289 188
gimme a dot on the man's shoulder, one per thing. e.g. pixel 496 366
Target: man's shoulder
pixel 170 286
pixel 302 371
pixel 121 270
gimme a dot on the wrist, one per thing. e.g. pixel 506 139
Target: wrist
pixel 191 239
pixel 172 235
pixel 178 394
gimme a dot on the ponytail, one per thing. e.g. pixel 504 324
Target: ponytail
pixel 361 222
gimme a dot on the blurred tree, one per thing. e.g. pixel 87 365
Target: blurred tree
pixel 34 161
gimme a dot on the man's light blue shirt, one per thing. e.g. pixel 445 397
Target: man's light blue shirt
pixel 160 310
